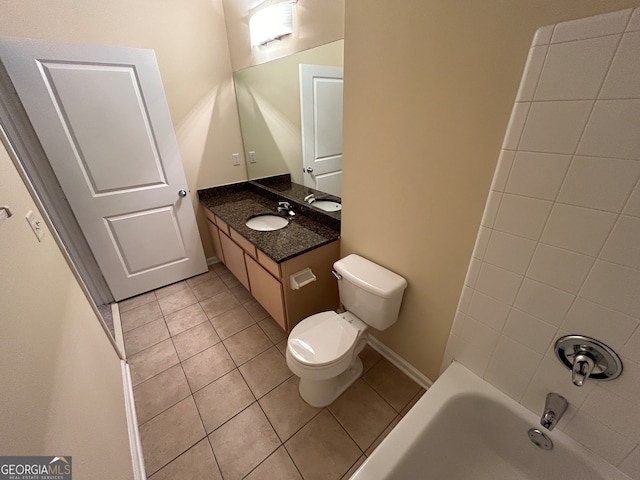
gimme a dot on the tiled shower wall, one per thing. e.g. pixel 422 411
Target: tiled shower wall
pixel 558 251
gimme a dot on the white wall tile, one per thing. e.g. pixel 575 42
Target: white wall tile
pixel 483 337
pixel 502 170
pixel 516 124
pixel 458 321
pixel 632 347
pixel 555 127
pixel 634 23
pixel 491 209
pixel 631 464
pixel 559 268
pixel 612 411
pixel 544 302
pixel 590 27
pixel 543 35
pixel 615 287
pixel 531 74
pixel 537 175
pixel 472 272
pixel 466 353
pixel 633 203
pixel 511 367
pixel 523 216
pixel 465 299
pixel 576 70
pixel 593 320
pixel 602 183
pixel 529 331
pixel 601 439
pixel 612 130
pixel 509 251
pixel 582 230
pixel 484 234
pixel 498 283
pixel 622 79
pixel 623 246
pixel 489 311
pixel 626 385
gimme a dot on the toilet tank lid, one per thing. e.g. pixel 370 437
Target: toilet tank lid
pixel 370 276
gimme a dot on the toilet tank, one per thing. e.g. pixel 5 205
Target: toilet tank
pixel 369 291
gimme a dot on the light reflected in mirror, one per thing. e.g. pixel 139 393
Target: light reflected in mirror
pixel 269 105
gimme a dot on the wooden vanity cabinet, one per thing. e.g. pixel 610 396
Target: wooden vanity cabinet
pixel 234 259
pixel 268 281
pixel 214 232
pixel 267 290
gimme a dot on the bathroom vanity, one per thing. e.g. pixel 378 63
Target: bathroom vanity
pixel 265 261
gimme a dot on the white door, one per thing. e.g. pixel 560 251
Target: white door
pixel 102 118
pixel 321 122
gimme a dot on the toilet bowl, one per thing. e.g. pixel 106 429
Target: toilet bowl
pixel 322 350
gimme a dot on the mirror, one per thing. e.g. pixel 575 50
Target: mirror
pixel 268 98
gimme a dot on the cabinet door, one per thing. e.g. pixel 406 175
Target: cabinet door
pixel 267 291
pixel 215 239
pixel 234 259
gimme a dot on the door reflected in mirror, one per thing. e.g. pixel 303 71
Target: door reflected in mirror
pixel 269 103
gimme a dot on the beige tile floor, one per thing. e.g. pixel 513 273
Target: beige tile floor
pixel 216 400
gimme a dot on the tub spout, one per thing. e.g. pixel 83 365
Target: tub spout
pixel 554 408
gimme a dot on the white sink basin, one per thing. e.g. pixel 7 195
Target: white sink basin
pixel 327 205
pixel 267 222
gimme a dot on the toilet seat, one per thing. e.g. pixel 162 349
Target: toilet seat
pixel 322 339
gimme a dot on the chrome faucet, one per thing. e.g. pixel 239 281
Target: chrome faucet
pixel 310 198
pixel 286 207
pixel 554 408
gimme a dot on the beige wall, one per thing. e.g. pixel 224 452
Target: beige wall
pixel 429 87
pixel 190 42
pixel 315 23
pixel 61 379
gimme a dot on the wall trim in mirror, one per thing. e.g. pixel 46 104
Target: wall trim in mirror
pixel 271 21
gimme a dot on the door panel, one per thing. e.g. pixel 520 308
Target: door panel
pixel 125 142
pixel 321 122
pixel 137 254
pixel 102 118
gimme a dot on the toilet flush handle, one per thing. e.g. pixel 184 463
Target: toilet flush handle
pixel 336 274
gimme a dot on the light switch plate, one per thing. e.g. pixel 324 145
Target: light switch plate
pixel 35 224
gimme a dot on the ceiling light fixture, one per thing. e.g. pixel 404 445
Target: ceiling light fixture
pixel 271 21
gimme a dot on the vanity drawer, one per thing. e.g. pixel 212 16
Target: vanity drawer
pixel 243 242
pixel 210 215
pixel 215 239
pixel 267 291
pixel 235 259
pixel 222 225
pixel 272 267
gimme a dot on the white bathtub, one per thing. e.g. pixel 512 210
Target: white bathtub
pixel 465 429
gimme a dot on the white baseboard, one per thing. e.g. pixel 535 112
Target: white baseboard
pixel 405 367
pixel 117 329
pixel 135 445
pixel 212 260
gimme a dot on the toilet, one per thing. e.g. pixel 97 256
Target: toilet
pixel 323 348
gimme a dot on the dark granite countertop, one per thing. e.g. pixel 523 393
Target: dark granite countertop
pixel 236 203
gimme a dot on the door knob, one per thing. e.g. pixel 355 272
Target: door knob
pixel 182 193
pixel 307 170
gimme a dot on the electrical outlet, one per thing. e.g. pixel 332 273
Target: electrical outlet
pixel 236 158
pixel 35 224
pixel 252 157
